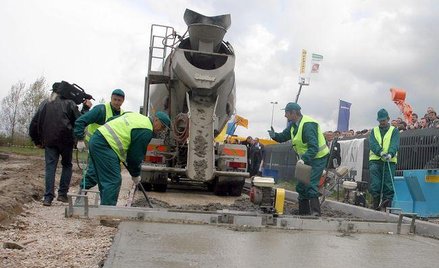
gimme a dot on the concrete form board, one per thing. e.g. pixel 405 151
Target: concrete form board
pixel 139 244
pixel 422 227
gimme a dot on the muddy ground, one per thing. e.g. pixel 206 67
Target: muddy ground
pixel 22 181
pixel 206 201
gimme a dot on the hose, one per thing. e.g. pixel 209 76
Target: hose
pixel 391 179
pixel 180 128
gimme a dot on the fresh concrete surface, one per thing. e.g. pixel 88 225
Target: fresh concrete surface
pixel 140 244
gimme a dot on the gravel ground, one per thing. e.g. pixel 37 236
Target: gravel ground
pixel 55 241
pixel 48 238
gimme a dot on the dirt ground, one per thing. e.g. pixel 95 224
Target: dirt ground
pixel 51 240
pixel 47 237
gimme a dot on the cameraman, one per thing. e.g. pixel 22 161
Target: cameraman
pixel 51 128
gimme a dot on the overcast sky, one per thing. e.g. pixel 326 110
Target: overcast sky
pixel 368 47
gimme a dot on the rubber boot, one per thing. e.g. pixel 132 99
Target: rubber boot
pixel 304 207
pixel 387 203
pixel 314 204
pixel 375 203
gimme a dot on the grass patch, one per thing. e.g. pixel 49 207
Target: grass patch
pixel 22 150
pixel 286 184
pixel 34 151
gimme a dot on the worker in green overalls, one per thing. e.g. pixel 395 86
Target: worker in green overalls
pixel 87 124
pixel 384 146
pixel 123 139
pixel 309 143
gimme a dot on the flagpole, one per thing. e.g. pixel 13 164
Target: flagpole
pixel 302 82
pixel 338 117
pixel 298 93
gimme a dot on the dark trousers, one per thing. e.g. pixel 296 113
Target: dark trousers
pixel 52 156
pixel 89 180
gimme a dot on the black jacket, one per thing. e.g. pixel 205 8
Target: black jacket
pixel 52 124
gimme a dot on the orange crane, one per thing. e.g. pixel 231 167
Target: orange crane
pixel 398 97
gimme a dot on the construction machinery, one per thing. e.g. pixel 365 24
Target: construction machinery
pixel 195 84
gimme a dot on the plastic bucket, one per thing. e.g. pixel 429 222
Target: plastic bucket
pixel 398 94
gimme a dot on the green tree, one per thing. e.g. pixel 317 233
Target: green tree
pixel 34 95
pixel 10 109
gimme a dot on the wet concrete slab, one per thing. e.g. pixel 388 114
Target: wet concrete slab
pixel 141 244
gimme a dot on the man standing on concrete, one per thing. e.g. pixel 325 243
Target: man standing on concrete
pixel 88 123
pixel 123 139
pixel 309 143
pixel 51 129
pixel 384 146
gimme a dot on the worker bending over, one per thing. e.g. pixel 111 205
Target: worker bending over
pixel 123 139
pixel 309 143
pixel 384 145
pixel 88 123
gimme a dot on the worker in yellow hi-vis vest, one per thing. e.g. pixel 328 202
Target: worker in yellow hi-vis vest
pixel 89 122
pixel 123 139
pixel 309 143
pixel 384 146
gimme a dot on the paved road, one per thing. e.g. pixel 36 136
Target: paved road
pixel 140 244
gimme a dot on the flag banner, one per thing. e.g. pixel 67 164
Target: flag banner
pixel 352 153
pixel 303 62
pixel 231 127
pixel 344 113
pixel 241 121
pixel 316 60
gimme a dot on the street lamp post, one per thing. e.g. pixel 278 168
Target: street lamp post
pixel 272 112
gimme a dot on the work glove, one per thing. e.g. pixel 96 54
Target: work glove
pixel 136 180
pixel 301 162
pixel 80 146
pixel 382 154
pixel 272 133
pixel 387 157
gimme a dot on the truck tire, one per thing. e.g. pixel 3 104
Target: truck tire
pixel 220 188
pixel 235 188
pixel 161 187
pixel 147 186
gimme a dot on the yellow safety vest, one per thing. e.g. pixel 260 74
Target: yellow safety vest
pixel 90 129
pixel 300 147
pixel 117 132
pixel 384 142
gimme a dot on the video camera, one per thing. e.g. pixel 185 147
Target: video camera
pixel 72 92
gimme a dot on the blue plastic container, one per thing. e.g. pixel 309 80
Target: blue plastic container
pixel 270 173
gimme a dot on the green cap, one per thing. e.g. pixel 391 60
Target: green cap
pixel 118 92
pixel 292 106
pixel 382 115
pixel 164 118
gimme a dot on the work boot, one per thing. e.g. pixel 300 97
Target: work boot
pixel 62 198
pixel 314 204
pixel 47 202
pixel 304 207
pixel 375 203
pixel 387 203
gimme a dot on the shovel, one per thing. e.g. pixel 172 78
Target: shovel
pixel 303 173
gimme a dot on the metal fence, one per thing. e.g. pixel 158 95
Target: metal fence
pixel 418 149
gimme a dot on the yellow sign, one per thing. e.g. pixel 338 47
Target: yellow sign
pixel 432 178
pixel 303 62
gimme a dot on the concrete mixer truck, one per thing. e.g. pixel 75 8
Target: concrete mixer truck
pixel 195 84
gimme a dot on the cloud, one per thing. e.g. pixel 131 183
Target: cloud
pixel 368 47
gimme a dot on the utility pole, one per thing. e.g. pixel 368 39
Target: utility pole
pixel 272 112
pixel 302 82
